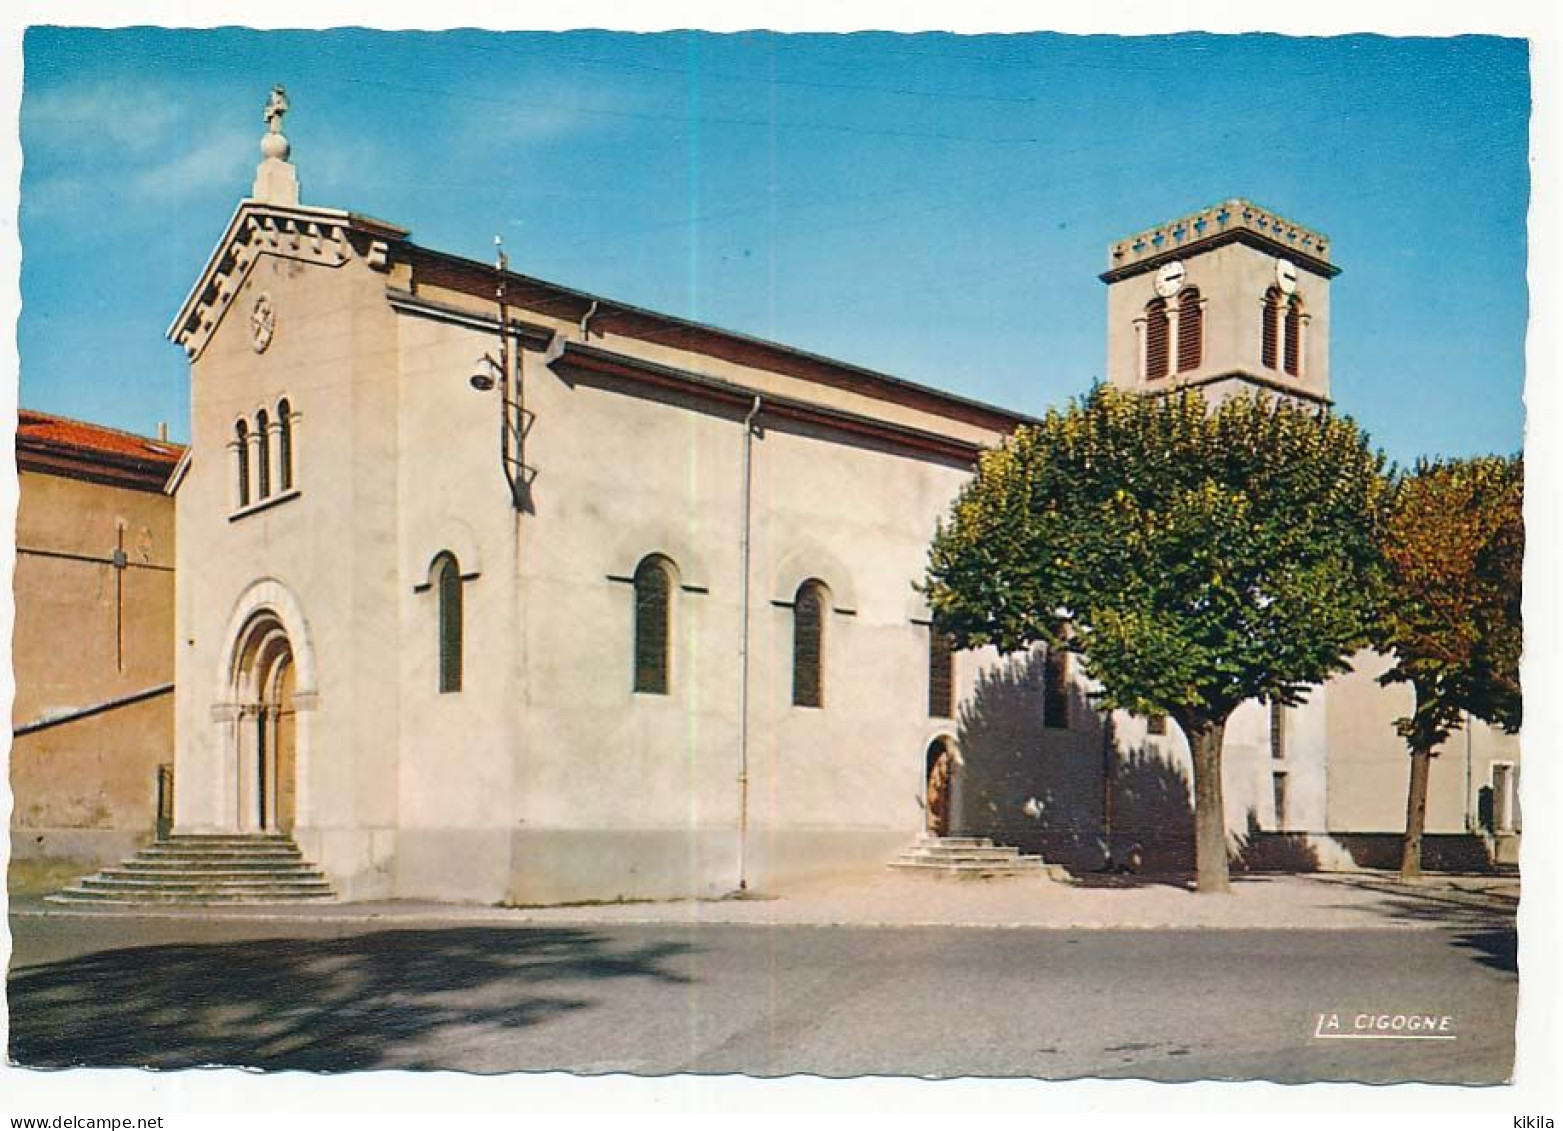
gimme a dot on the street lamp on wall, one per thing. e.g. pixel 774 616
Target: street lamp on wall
pixel 501 373
pixel 484 377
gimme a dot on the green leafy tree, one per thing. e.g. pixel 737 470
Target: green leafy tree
pixel 1194 556
pixel 1454 548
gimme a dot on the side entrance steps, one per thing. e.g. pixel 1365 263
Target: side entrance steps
pixel 203 868
pixel 971 858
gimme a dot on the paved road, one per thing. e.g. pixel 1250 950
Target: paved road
pixel 835 1001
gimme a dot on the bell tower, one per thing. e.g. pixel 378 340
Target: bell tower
pixel 1229 297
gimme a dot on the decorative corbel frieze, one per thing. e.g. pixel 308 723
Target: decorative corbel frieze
pixel 320 242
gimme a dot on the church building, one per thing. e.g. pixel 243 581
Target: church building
pixel 492 590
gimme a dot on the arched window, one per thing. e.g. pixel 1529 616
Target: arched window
pixel 241 437
pixel 284 445
pixel 447 586
pixel 808 645
pixel 1191 329
pixel 1270 330
pixel 653 609
pixel 1157 347
pixel 941 674
pixel 263 455
pixel 1294 330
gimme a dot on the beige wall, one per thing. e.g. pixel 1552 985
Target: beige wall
pixel 1370 769
pixel 84 792
pixel 324 560
pixel 574 786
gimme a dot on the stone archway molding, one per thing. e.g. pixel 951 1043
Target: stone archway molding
pixel 643 540
pixel 268 595
pixel 450 535
pixel 812 562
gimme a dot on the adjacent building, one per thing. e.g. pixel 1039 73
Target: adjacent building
pixel 92 648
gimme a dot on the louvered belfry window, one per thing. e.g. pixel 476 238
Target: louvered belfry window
pixel 1269 339
pixel 941 674
pixel 1191 329
pixel 1055 690
pixel 1293 350
pixel 241 436
pixel 1277 731
pixel 1157 347
pixel 284 445
pixel 808 640
pixel 447 581
pixel 653 590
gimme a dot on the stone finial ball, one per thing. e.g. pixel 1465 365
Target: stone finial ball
pixel 276 146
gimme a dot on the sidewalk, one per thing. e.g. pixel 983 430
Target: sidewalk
pixel 1290 902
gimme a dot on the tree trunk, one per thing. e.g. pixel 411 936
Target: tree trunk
pixel 1416 814
pixel 1210 823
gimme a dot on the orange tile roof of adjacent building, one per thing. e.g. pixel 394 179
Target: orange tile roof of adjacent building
pixel 60 445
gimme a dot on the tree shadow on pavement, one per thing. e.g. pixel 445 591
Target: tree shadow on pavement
pixel 323 1005
pixel 1496 948
pixel 1481 922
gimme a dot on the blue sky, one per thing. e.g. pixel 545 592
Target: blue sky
pixel 934 206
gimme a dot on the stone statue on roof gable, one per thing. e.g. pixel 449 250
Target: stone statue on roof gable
pixel 276 106
pixel 276 181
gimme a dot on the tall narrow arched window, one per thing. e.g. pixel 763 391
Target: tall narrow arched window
pixel 808 645
pixel 262 455
pixel 241 439
pixel 941 674
pixel 1270 330
pixel 1157 347
pixel 653 614
pixel 284 445
pixel 1294 329
pixel 1191 329
pixel 447 587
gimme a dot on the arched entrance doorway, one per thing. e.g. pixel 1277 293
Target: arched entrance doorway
pixel 266 758
pixel 940 768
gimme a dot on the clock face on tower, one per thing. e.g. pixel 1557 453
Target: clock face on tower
pixel 1286 275
pixel 1169 279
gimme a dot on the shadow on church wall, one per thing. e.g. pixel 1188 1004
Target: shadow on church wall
pixel 1153 807
pixel 1046 789
pixel 1261 851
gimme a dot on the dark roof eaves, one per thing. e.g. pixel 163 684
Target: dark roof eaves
pixel 596 358
pixel 1004 418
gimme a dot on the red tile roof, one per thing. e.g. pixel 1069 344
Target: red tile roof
pixel 59 445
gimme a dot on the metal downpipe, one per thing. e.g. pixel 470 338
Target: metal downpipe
pixel 744 549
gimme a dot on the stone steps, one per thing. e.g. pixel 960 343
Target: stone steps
pixel 973 858
pixel 199 868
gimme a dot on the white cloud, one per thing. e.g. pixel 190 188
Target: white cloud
pixel 135 141
pixel 51 196
pixel 221 159
pixel 122 117
pixel 540 111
